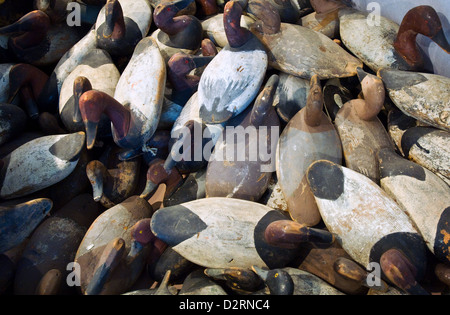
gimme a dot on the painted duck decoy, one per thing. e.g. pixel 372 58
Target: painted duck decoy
pixel 361 131
pixel 40 163
pixel 231 81
pixel 127 256
pixel 239 280
pixel 136 107
pixel 96 71
pixel 197 283
pixel 53 245
pixel 369 225
pixel 245 173
pixel 388 45
pixel 12 121
pixel 423 96
pixel 309 136
pixel 176 32
pixel 412 186
pixel 193 187
pixel 428 147
pixel 35 40
pixel 288 44
pixel 121 25
pixel 18 221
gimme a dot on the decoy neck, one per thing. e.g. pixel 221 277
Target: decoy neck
pixel 142 232
pixel 98 176
pixel 264 101
pixel 268 20
pixel 419 20
pixel 236 35
pixel 80 85
pixel 93 104
pixel 160 172
pixel 278 281
pixel 314 103
pixel 165 17
pixel 374 96
pixel 179 67
pixel 208 48
pixel 114 20
pixel 34 26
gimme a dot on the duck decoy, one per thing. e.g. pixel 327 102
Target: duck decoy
pixel 53 245
pixel 231 81
pixel 40 163
pixel 197 283
pixel 245 173
pixel 109 236
pixel 113 180
pixel 423 96
pixel 96 71
pixel 368 224
pixel 220 232
pixel 428 147
pixel 176 33
pixel 19 220
pixel 19 140
pixel 121 25
pixel 136 107
pixel 335 95
pixel 13 121
pixel 278 281
pixel 170 260
pixel 309 136
pixel 397 124
pixel 193 187
pixel 388 45
pixel 325 18
pixel 159 144
pixel 412 186
pixel 49 124
pixel 35 40
pixel 360 130
pixel 238 280
pixel 288 44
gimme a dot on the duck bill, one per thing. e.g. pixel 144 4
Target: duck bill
pixel 440 39
pixel 149 188
pixel 200 61
pixel 91 133
pixel 361 74
pixel 97 187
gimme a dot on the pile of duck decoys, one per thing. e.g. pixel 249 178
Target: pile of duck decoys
pixel 241 147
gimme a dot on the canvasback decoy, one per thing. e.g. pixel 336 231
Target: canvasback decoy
pixel 231 81
pixel 12 122
pixel 53 245
pixel 176 32
pixel 360 130
pixel 428 147
pixel 239 280
pixel 368 224
pixel 121 25
pixel 288 44
pixel 128 256
pixel 136 106
pixel 39 164
pixel 309 136
pixel 197 283
pixel 423 96
pixel 35 40
pixel 193 187
pixel 387 44
pixel 411 186
pixel 245 174
pixel 19 220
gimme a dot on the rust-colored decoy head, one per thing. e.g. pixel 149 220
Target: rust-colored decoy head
pixel 80 85
pixel 208 7
pixel 160 172
pixel 268 20
pixel 179 67
pixel 374 95
pixel 236 35
pixel 114 20
pixel 208 48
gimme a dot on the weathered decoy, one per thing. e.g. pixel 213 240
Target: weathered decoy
pixel 193 187
pixel 12 121
pixel 428 147
pixel 288 44
pixel 385 44
pixel 19 140
pixel 18 221
pixel 335 95
pixel 309 136
pixel 245 173
pixel 197 283
pixel 368 224
pixel 361 131
pixel 423 96
pixel 273 197
pixel 397 124
pixel 232 79
pixel 413 186
pixel 278 281
pixel 109 236
pixel 136 107
pixel 53 245
pixel 40 163
pixel 121 25
pixel 325 18
pixel 239 280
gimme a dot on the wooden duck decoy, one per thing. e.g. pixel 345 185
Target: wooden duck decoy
pixel 222 232
pixel 361 131
pixel 388 45
pixel 40 163
pixel 309 136
pixel 412 186
pixel 193 187
pixel 37 41
pixel 368 224
pixel 136 107
pixel 176 32
pixel 113 276
pixel 245 173
pixel 278 281
pixel 18 221
pixel 287 44
pixel 423 96
pixel 239 280
pixel 121 25
pixel 53 245
pixel 428 147
pixel 12 121
pixel 232 79
pixel 197 283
